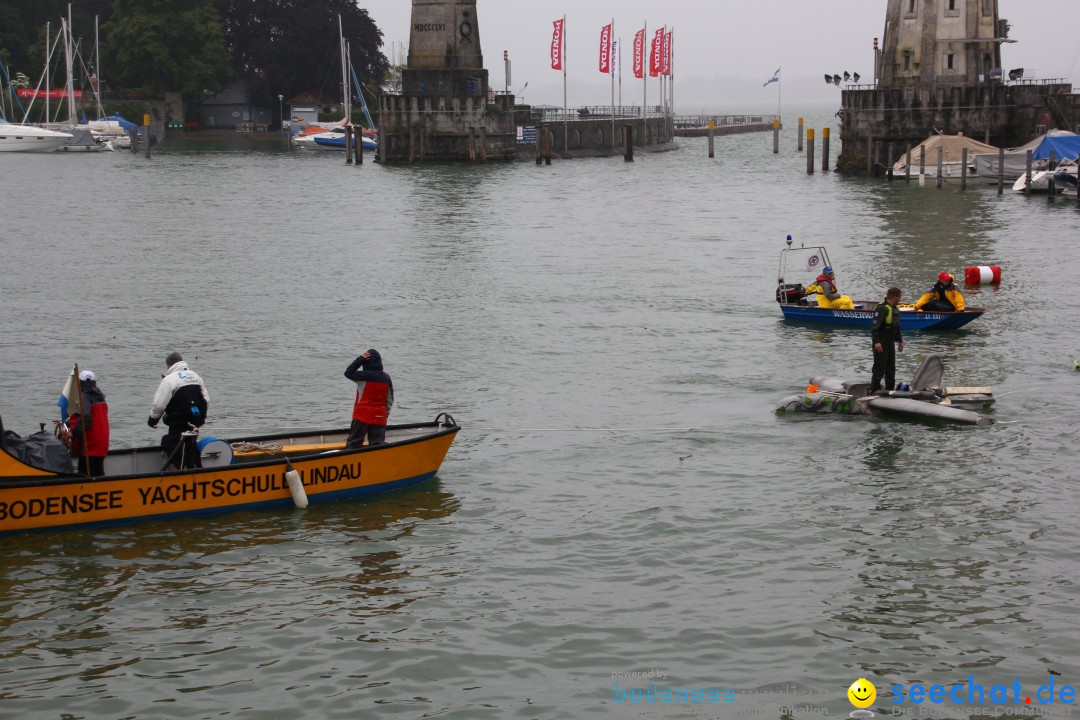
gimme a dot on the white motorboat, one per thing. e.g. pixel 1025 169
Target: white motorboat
pixel 30 138
pixel 1064 177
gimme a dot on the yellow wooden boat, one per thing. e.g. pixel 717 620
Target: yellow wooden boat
pixel 244 473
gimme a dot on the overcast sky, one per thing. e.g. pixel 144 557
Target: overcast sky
pixel 725 49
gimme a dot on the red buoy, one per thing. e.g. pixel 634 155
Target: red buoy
pixel 982 275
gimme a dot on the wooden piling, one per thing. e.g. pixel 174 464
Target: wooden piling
pixel 1001 170
pixel 922 160
pixel 360 148
pixel 800 135
pixel 907 165
pixel 940 165
pixel 1027 175
pixel 472 144
pixel 483 144
pixel 889 161
pixel 133 133
pixel 712 129
pixel 825 150
pixel 348 144
pixel 548 140
pixel 810 151
pixel 628 143
pixel 412 146
pixel 963 168
pixel 776 135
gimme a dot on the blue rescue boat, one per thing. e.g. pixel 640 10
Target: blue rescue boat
pixel 798 303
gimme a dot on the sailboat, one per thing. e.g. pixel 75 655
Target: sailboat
pixel 15 137
pixel 333 137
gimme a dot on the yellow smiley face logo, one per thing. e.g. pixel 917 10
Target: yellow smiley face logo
pixel 862 693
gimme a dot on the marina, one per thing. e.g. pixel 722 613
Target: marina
pixel 636 516
pixel 616 402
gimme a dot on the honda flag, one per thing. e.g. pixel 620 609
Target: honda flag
pixel 656 53
pixel 606 66
pixel 667 53
pixel 557 46
pixel 639 53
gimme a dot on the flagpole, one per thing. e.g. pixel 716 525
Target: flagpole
pixel 565 107
pixel 644 81
pixel 620 73
pixel 611 69
pixel 779 83
pixel 83 420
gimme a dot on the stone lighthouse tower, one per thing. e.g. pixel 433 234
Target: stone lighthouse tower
pixel 444 111
pixel 941 41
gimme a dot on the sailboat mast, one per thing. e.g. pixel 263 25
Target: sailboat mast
pixel 97 69
pixel 48 57
pixel 69 50
pixel 345 94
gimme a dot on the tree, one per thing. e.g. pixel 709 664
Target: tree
pixel 286 47
pixel 168 45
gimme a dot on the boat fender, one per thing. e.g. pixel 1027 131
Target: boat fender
pixel 296 486
pixel 982 275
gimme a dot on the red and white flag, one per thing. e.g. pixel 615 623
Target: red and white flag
pixel 557 45
pixel 606 66
pixel 667 53
pixel 656 53
pixel 639 53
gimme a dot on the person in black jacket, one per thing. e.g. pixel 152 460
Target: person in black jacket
pixel 884 332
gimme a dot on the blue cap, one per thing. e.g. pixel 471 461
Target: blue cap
pixel 827 270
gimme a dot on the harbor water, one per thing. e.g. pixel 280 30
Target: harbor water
pixel 622 510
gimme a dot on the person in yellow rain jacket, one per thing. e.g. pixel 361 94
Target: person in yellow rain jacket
pixel 943 297
pixel 827 295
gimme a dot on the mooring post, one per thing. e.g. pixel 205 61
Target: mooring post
pixel 133 133
pixel 548 140
pixel 541 132
pixel 907 165
pixel 1027 175
pixel 810 151
pixel 483 144
pixel 825 150
pixel 472 144
pixel 1050 184
pixel 360 147
pixel 628 143
pixel 776 135
pixel 712 130
pixel 800 134
pixel 146 133
pixel 963 168
pixel 412 146
pixel 1001 170
pixel 940 164
pixel 348 144
pixel 888 161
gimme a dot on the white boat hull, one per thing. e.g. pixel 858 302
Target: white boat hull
pixel 27 138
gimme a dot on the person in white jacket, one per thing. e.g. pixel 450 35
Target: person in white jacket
pixel 181 399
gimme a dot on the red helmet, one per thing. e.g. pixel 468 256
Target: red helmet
pixel 944 277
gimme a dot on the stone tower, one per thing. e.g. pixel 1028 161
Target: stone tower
pixel 941 41
pixel 444 111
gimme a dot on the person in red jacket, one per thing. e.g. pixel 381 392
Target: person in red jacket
pixel 94 433
pixel 374 398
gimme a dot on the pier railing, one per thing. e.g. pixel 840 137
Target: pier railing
pixel 701 121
